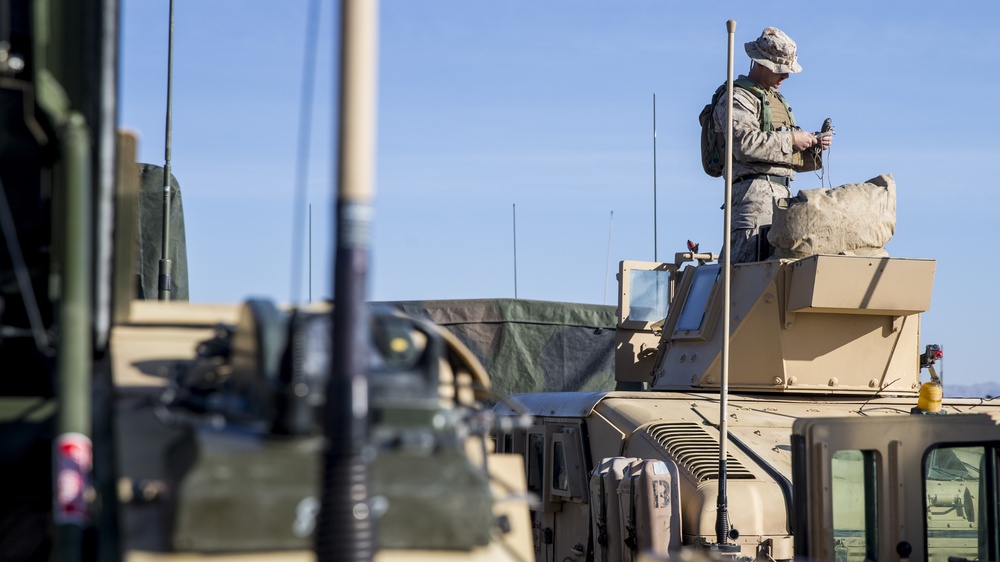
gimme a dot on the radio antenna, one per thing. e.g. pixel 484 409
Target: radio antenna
pixel 165 266
pixel 310 252
pixel 722 527
pixel 607 266
pixel 346 527
pixel 514 224
pixel 655 255
pixel 302 152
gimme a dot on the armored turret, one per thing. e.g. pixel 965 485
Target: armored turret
pixel 824 324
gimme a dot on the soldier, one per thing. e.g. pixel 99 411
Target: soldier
pixel 767 146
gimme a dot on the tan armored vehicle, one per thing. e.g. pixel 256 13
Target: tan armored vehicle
pixel 770 410
pixel 828 455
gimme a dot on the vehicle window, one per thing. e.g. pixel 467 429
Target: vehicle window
pixel 855 505
pixel 508 443
pixel 650 295
pixel 536 457
pixel 560 478
pixel 693 312
pixel 960 485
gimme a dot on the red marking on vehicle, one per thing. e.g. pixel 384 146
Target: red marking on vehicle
pixel 73 463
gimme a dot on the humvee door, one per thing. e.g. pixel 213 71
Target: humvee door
pixel 921 487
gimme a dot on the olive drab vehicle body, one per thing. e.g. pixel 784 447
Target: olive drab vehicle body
pixel 828 455
pixel 226 462
pixel 139 430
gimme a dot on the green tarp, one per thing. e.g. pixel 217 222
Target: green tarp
pixel 531 346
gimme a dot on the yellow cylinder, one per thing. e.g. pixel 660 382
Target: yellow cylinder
pixel 930 397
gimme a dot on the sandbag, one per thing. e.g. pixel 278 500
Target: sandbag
pixel 852 219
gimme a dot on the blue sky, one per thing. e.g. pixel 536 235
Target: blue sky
pixel 548 106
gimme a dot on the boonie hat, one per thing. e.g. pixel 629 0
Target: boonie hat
pixel 774 50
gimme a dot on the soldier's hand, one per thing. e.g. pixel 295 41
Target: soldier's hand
pixel 802 140
pixel 825 141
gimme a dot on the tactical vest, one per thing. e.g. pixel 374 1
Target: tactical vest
pixel 777 111
pixel 772 115
pixel 781 118
pixel 713 144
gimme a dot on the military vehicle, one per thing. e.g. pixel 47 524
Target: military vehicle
pixel 770 410
pixel 830 456
pixel 158 431
pixel 164 430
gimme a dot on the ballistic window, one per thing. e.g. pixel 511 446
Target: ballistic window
pixel 560 476
pixel 855 505
pixel 536 460
pixel 650 295
pixel 693 314
pixel 960 491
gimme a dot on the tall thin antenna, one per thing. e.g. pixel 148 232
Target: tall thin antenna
pixel 165 266
pixel 302 151
pixel 310 252
pixel 514 211
pixel 346 528
pixel 722 510
pixel 607 267
pixel 655 253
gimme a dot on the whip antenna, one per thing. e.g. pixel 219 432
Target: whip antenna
pixel 302 151
pixel 310 252
pixel 607 266
pixel 654 180
pixel 346 526
pixel 514 228
pixel 166 267
pixel 722 514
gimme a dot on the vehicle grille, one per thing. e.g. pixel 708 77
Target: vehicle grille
pixel 694 448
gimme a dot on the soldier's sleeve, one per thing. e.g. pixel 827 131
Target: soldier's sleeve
pixel 750 144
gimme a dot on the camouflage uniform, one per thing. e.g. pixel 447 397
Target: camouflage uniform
pixel 756 151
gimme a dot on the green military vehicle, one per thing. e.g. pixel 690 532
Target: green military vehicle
pixel 163 430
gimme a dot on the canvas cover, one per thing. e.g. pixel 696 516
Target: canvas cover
pixel 852 219
pixel 531 346
pixel 149 235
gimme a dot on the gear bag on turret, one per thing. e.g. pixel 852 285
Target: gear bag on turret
pixel 853 219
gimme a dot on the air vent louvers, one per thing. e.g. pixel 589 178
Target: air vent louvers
pixel 696 450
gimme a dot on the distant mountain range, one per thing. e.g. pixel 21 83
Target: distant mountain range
pixel 978 390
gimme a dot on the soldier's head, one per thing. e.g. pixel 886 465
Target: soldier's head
pixel 773 56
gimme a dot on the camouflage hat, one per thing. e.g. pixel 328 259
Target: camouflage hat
pixel 774 50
